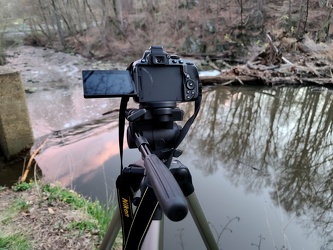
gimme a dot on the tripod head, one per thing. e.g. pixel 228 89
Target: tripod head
pixel 156 122
pixel 152 129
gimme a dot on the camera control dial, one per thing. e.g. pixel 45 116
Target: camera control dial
pixel 190 84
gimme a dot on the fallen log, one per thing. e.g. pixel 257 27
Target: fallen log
pixel 301 81
pixel 230 79
pixel 273 81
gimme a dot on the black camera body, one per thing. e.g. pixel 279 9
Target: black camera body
pixel 156 77
pixel 161 77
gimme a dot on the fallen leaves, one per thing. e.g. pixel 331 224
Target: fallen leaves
pixel 51 211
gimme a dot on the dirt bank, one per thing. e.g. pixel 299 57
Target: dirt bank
pixel 39 216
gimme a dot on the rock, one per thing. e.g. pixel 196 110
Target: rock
pixel 30 90
pixel 3 60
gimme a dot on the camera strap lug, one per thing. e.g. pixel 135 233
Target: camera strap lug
pixel 185 71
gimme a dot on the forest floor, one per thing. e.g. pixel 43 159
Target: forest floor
pixel 256 46
pixel 260 51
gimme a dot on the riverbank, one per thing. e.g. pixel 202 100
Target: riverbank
pixel 46 216
pixel 36 215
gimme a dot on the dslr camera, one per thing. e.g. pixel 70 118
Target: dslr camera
pixel 156 77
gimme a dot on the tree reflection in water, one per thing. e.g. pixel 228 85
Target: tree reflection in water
pixel 280 138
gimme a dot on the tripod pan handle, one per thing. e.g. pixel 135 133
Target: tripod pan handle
pixel 166 188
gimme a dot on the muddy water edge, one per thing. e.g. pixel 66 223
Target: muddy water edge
pixel 52 82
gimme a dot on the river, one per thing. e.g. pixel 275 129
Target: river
pixel 261 158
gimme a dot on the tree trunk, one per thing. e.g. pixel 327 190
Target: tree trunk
pixel 58 23
pixel 48 31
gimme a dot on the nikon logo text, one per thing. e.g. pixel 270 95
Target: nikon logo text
pixel 125 207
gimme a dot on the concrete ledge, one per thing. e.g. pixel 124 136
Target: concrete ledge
pixel 15 127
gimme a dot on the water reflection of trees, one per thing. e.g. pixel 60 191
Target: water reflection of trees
pixel 280 135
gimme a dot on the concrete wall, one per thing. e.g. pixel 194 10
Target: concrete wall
pixel 15 127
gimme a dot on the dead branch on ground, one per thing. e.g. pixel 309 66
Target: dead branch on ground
pixel 270 67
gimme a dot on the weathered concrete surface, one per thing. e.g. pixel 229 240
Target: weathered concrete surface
pixel 15 127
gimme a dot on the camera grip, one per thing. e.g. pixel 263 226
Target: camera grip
pixel 167 190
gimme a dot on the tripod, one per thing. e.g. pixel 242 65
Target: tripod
pixel 156 184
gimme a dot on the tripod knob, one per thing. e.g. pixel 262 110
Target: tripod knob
pixel 135 114
pixel 177 153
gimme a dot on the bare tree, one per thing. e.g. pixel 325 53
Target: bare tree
pixel 260 14
pixel 57 16
pixel 303 19
pixel 3 27
pixel 240 2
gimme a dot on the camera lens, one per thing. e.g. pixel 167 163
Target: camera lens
pixel 190 84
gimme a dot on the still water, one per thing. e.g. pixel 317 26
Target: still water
pixel 261 161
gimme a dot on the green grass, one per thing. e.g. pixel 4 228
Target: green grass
pixel 84 225
pixel 20 205
pixel 22 186
pixel 17 205
pixel 95 217
pixel 14 242
pixel 100 213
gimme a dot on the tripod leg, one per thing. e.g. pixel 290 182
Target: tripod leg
pixel 112 232
pixel 184 179
pixel 201 222
pixel 154 237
